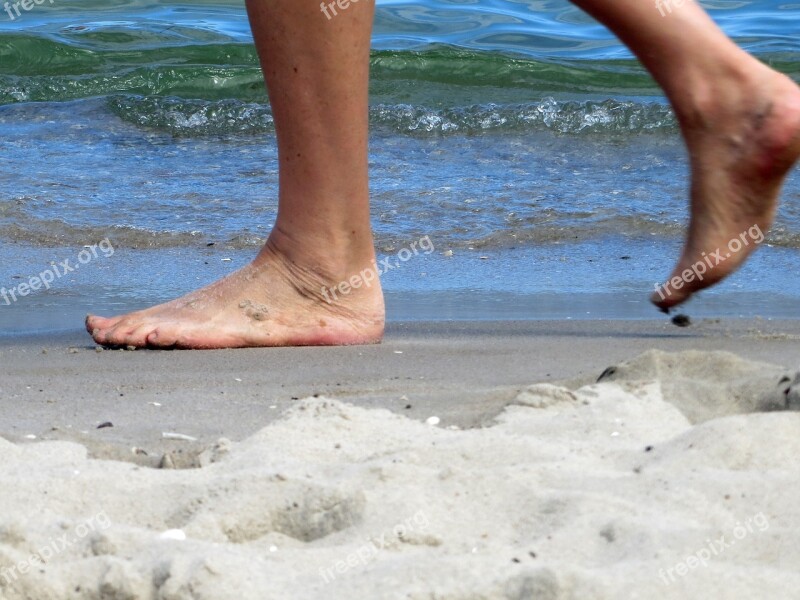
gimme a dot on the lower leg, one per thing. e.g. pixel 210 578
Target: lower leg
pixel 317 76
pixel 317 73
pixel 739 118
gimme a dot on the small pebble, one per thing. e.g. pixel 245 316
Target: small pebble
pixel 681 320
pixel 105 425
pixel 169 435
pixel 433 420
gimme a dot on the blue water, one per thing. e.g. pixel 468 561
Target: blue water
pixel 520 136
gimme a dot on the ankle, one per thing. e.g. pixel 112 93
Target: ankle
pixel 709 96
pixel 327 260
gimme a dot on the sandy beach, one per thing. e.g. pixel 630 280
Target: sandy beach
pixel 516 177
pixel 549 459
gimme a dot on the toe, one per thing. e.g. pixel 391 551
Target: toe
pixel 162 337
pixel 118 336
pixel 676 290
pixel 137 336
pixel 114 332
pixel 665 303
pixel 94 322
pixel 99 328
pixel 100 335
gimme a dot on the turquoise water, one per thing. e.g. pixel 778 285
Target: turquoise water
pixel 520 136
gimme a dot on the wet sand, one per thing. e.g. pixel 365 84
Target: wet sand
pixel 463 372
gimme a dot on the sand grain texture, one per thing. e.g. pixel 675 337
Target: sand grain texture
pixel 597 492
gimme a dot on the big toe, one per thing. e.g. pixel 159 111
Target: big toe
pixel 698 270
pixel 676 290
pixel 94 323
pixel 125 332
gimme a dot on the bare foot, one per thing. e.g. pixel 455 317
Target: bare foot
pixel 742 145
pixel 271 302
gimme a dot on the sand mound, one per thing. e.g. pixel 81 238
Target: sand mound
pixel 705 385
pixel 608 491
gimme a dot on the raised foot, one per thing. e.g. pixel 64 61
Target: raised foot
pixel 270 302
pixel 740 156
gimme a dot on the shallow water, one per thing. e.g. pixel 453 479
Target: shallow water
pixel 521 132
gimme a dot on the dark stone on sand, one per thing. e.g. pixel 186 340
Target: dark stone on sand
pixel 105 425
pixel 607 373
pixel 681 320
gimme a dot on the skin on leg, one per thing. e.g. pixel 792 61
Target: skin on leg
pixel 739 118
pixel 317 75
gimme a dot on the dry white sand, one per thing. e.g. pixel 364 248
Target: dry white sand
pixel 657 482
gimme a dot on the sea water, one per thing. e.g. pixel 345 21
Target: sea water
pixel 520 137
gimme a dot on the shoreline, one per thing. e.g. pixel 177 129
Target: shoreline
pixel 597 279
pixel 64 315
pixel 59 386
